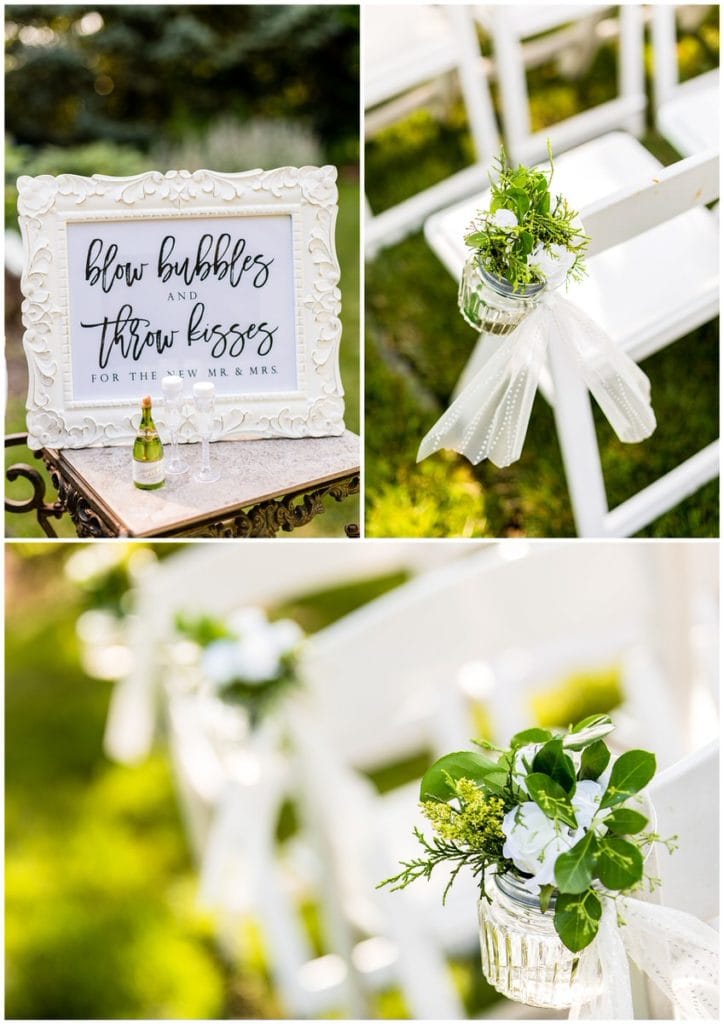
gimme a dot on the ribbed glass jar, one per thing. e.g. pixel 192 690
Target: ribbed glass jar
pixel 489 303
pixel 522 955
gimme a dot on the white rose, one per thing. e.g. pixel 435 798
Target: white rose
pixel 287 635
pixel 533 842
pixel 553 263
pixel 257 657
pixel 504 219
pixel 586 800
pixel 247 620
pixel 218 662
pixel 605 777
pixel 523 762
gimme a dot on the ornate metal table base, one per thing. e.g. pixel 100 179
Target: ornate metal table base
pixel 262 520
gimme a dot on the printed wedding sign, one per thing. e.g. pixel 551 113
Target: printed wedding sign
pixel 204 298
pixel 228 278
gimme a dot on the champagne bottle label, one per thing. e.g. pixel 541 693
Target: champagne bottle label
pixel 148 472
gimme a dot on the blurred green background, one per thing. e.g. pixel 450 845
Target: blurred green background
pixel 416 345
pixel 101 917
pixel 126 88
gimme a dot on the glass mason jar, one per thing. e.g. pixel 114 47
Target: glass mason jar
pixel 523 957
pixel 489 304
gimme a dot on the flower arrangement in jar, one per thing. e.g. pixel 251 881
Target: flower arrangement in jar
pixel 552 827
pixel 244 660
pixel 528 239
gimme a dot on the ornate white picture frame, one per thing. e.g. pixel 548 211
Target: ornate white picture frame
pixel 142 275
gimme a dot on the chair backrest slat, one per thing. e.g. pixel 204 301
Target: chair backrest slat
pixel 632 211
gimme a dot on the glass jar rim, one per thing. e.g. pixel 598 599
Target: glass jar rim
pixel 503 287
pixel 510 883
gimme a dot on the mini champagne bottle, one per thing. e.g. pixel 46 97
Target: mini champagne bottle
pixel 148 473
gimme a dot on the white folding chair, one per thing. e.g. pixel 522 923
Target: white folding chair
pixel 216 578
pixel 485 609
pixel 687 113
pixel 509 25
pixel 644 303
pixel 404 47
pixel 686 800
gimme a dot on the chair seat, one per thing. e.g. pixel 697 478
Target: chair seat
pixel 644 293
pixel 404 48
pixel 690 119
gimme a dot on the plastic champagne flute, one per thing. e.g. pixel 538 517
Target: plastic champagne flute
pixel 204 397
pixel 172 388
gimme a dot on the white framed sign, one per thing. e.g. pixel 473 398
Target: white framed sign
pixel 229 278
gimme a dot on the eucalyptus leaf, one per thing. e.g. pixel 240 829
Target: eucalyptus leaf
pixel 590 729
pixel 594 760
pixel 551 798
pixel 620 864
pixel 631 772
pixel 522 739
pixel 574 869
pixel 464 764
pixel 552 761
pixel 577 918
pixel 625 822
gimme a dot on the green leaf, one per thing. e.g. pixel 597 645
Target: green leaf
pixel 574 869
pixel 595 727
pixel 544 203
pixel 577 918
pixel 551 798
pixel 553 762
pixel 620 864
pixel 631 772
pixel 524 244
pixel 546 891
pixel 465 764
pixel 519 200
pixel 594 760
pixel 521 739
pixel 625 822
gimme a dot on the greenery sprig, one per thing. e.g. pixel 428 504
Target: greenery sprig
pixel 245 659
pixel 552 809
pixel 528 236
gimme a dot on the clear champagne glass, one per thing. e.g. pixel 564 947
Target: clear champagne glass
pixel 204 397
pixel 172 388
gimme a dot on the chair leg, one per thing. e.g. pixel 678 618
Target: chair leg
pixel 579 445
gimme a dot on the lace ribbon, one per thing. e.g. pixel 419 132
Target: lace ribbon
pixel 489 418
pixel 679 953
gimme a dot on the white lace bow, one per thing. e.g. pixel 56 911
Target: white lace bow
pixel 676 951
pixel 489 418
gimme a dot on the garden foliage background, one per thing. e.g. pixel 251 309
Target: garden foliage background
pixel 417 344
pixel 126 88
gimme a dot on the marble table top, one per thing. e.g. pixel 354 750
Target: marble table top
pixel 251 472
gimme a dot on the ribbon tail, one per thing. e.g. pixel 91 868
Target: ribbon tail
pixel 489 418
pixel 679 953
pixel 620 387
pixel 603 969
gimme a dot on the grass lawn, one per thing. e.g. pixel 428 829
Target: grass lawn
pixel 417 344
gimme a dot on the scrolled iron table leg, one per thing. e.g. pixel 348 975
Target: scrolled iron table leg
pixel 43 509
